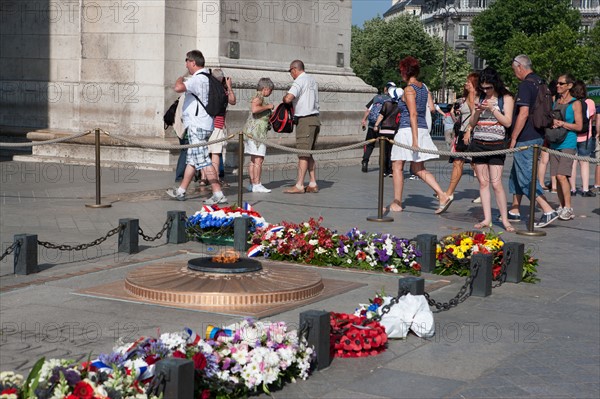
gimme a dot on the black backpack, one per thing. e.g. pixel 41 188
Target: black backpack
pixel 169 116
pixel 586 120
pixel 541 115
pixel 282 119
pixel 217 99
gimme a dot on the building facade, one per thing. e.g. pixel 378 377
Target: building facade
pixel 70 66
pixel 460 14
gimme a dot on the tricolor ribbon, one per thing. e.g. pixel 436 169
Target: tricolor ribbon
pixel 255 250
pixel 192 338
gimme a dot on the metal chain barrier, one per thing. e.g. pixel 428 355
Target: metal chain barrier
pixel 10 250
pixel 52 141
pixel 386 308
pixel 165 227
pixel 502 277
pixel 166 146
pixel 460 297
pixel 81 247
pixel 158 385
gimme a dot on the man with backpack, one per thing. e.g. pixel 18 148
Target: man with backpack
pixel 199 124
pixel 304 96
pixel 373 108
pixel 525 133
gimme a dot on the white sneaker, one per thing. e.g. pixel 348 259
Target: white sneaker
pixel 173 193
pixel 476 200
pixel 566 214
pixel 259 188
pixel 215 200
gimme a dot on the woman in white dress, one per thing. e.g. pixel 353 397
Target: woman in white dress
pixel 413 132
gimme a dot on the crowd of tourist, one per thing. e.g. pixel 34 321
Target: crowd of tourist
pixel 488 117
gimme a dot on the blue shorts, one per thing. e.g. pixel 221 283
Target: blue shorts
pixel 198 156
pixel 586 151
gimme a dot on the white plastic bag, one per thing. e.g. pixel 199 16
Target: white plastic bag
pixel 410 313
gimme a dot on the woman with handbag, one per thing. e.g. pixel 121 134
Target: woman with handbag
pixel 493 114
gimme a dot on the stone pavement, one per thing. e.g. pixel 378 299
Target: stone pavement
pixel 535 341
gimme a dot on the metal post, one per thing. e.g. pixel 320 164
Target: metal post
pixel 380 217
pixel 426 243
pixel 532 193
pixel 98 203
pixel 514 267
pixel 128 237
pixel 319 327
pixel 176 234
pixel 415 285
pixel 26 255
pixel 482 282
pixel 444 91
pixel 178 375
pixel 240 168
pixel 240 234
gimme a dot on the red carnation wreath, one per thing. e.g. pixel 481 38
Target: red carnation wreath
pixel 355 336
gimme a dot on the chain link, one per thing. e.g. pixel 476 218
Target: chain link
pixel 386 308
pixel 165 227
pixel 10 250
pixel 81 247
pixel 158 384
pixel 460 297
pixel 505 261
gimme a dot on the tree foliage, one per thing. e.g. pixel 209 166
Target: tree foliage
pixel 379 46
pixel 547 31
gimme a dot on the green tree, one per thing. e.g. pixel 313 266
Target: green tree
pixel 379 46
pixel 552 53
pixel 495 26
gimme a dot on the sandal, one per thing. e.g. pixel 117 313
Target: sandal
pixel 398 203
pixel 509 228
pixel 482 225
pixel 442 208
pixel 294 190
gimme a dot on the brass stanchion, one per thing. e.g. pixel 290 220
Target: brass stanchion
pixel 98 203
pixel 532 192
pixel 240 168
pixel 380 217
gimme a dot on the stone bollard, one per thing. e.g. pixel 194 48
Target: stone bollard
pixel 128 237
pixel 514 268
pixel 178 378
pixel 426 243
pixel 482 282
pixel 319 331
pixel 176 234
pixel 414 285
pixel 26 255
pixel 240 234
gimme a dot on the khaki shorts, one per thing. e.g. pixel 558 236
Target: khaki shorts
pixel 219 147
pixel 307 132
pixel 561 166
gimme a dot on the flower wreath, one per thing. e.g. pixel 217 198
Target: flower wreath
pixel 355 336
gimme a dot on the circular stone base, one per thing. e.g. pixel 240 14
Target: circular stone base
pixel 176 284
pixel 206 264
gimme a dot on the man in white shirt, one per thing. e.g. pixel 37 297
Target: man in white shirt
pixel 304 95
pixel 199 126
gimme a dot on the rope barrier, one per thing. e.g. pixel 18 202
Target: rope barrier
pixel 574 157
pixel 166 146
pixel 46 142
pixel 297 151
pixel 459 154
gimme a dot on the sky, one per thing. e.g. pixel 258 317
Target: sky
pixel 363 10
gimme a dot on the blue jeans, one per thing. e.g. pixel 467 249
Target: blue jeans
pixel 520 174
pixel 181 161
